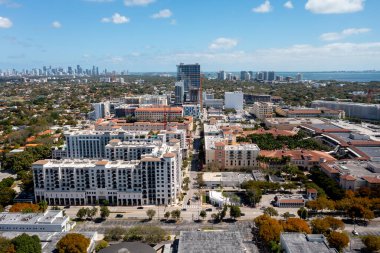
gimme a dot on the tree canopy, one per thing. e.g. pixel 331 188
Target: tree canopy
pixel 73 242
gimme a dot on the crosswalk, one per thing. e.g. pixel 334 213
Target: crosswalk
pixel 191 206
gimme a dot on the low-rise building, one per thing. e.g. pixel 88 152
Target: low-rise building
pixel 291 123
pixel 210 241
pixel 304 243
pixel 49 221
pixel 353 174
pixel 225 179
pixel 290 200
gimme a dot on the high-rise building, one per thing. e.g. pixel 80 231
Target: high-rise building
pixel 101 110
pixel 191 75
pixel 245 76
pixel 299 77
pixel 222 75
pixel 233 100
pixel 271 76
pixel 179 92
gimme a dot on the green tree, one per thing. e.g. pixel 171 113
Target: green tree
pixel 146 234
pixel 150 213
pixel 303 213
pixel 104 212
pixel 372 243
pixel 91 212
pixel 43 205
pixel 203 214
pixel 167 215
pixel 82 212
pixel 270 211
pixel 235 212
pixel 176 214
pixel 73 242
pixel 114 234
pixel 102 244
pixel 27 244
pixel 7 195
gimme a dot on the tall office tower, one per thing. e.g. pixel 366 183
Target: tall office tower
pixel 69 70
pixel 97 71
pixel 299 77
pixel 222 75
pixel 79 70
pixel 245 76
pixel 93 73
pixel 260 76
pixel 229 76
pixel 191 75
pixel 271 76
pixel 179 92
pixel 102 110
pixel 251 74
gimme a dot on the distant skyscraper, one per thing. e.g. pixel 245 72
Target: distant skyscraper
pixel 179 92
pixel 271 76
pixel 299 77
pixel 245 76
pixel 191 75
pixel 222 75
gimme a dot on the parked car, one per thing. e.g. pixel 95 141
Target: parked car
pixel 209 210
pixel 119 215
pixel 184 209
pixel 354 232
pixel 140 207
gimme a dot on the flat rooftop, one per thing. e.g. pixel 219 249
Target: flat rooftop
pixel 210 242
pixel 49 217
pixel 227 176
pixel 301 243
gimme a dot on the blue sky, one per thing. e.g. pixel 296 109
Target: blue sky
pixel 155 35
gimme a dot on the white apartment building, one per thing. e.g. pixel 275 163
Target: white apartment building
pixel 101 110
pixel 262 110
pixel 154 180
pixel 91 144
pixel 234 100
pixel 49 221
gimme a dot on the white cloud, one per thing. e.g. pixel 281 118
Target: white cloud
pixel 334 56
pixel 334 6
pixel 288 5
pixel 223 43
pixel 56 25
pixel 10 4
pixel 173 22
pixel 138 2
pixel 263 8
pixel 343 34
pixel 116 19
pixel 5 23
pixel 166 13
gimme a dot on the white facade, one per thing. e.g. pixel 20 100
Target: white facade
pixel 50 221
pixel 233 100
pixel 149 181
pixel 101 110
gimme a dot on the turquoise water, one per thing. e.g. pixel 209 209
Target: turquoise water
pixel 338 76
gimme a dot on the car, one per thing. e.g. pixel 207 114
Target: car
pixel 184 209
pixel 262 208
pixel 242 214
pixel 188 202
pixel 140 207
pixel 67 207
pixel 209 210
pixel 354 232
pixel 119 215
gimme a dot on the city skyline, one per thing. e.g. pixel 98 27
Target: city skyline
pixel 155 35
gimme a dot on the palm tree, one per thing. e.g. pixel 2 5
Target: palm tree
pixel 43 205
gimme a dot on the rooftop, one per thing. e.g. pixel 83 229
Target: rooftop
pixel 301 243
pixel 227 176
pixel 210 242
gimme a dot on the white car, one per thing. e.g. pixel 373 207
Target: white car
pixel 354 232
